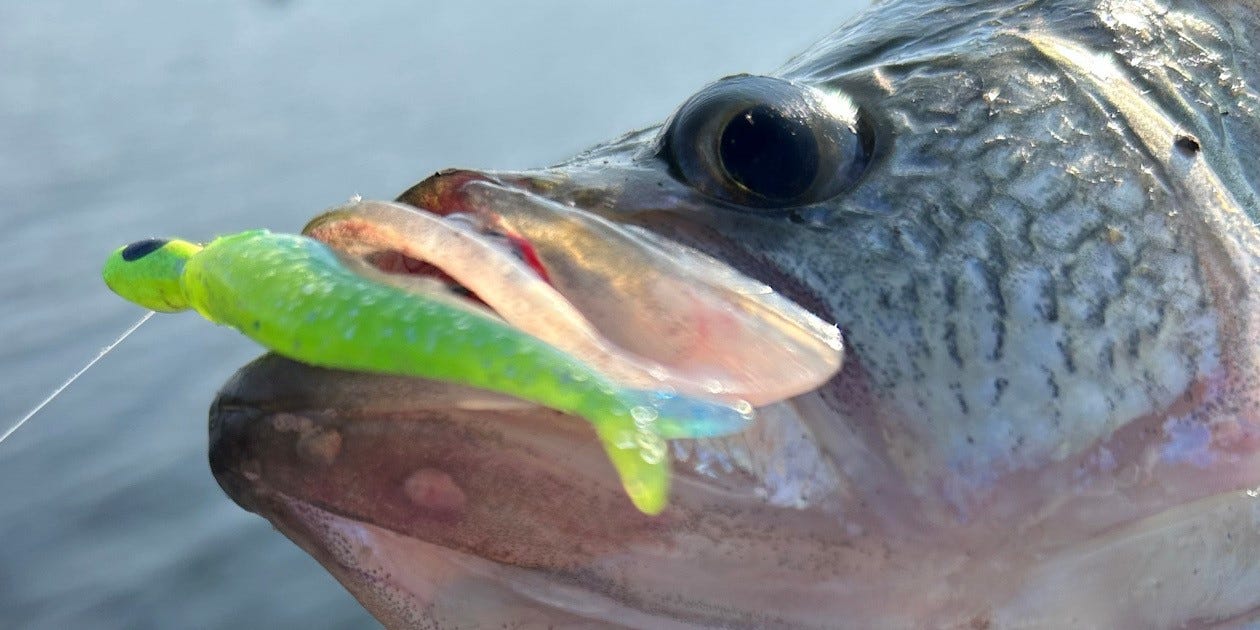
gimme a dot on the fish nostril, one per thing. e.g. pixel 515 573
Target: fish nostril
pixel 441 193
pixel 1187 144
pixel 140 249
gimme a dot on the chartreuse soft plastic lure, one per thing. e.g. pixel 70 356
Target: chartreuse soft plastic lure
pixel 299 298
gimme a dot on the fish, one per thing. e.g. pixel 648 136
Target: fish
pixel 1034 225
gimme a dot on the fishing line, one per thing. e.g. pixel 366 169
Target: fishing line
pixel 104 351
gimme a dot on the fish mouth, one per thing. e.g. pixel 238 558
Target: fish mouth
pixel 581 284
pixel 647 312
pixel 461 473
pixel 640 310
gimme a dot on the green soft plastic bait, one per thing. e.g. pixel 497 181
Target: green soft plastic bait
pixel 296 296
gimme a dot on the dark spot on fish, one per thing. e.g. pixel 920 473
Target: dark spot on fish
pixel 1135 344
pixel 1052 383
pixel 140 249
pixel 1069 362
pixel 1048 307
pixel 999 388
pixel 951 293
pixel 257 324
pixel 951 343
pixel 999 338
pixel 1187 145
pixel 962 400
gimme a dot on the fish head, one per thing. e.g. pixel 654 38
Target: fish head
pixel 1032 227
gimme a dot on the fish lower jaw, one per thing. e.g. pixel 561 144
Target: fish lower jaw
pixel 425 479
pixel 410 583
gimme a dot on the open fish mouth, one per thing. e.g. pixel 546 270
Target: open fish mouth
pixel 453 472
pixel 568 277
pixel 486 475
pixel 708 336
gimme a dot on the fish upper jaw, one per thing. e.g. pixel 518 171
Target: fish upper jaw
pixel 647 312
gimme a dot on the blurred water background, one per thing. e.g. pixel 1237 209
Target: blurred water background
pixel 126 119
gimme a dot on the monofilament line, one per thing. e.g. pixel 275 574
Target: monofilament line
pixel 104 351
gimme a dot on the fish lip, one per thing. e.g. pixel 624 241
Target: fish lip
pixel 273 419
pixel 386 252
pixel 349 441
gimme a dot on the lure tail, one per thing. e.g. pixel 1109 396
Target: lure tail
pixel 635 439
pixel 676 416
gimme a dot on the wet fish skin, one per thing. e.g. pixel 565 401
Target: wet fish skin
pixel 1012 255
pixel 1047 413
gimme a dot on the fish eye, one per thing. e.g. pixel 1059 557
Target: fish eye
pixel 140 249
pixel 762 142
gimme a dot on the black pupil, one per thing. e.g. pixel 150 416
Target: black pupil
pixel 140 249
pixel 769 154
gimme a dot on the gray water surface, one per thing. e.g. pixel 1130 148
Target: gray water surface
pixel 125 119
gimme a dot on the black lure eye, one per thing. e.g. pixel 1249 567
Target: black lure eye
pixel 767 143
pixel 140 249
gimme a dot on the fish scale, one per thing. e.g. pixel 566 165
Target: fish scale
pixel 1028 207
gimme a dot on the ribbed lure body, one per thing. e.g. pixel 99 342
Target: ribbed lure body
pixel 297 297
